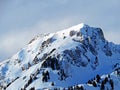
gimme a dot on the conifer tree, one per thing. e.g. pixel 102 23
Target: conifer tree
pixel 98 78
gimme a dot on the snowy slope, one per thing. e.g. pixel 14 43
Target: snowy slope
pixel 62 59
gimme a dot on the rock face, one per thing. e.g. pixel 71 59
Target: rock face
pixel 63 60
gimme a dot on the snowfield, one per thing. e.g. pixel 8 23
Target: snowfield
pixel 77 58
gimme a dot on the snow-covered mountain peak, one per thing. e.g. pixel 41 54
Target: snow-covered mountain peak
pixel 83 30
pixel 79 26
pixel 76 28
pixel 57 60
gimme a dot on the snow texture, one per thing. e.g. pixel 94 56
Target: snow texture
pixel 71 57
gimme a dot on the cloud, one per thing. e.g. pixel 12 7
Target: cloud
pixel 113 36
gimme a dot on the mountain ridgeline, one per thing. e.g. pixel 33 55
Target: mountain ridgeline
pixel 77 58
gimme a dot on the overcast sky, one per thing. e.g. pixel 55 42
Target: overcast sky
pixel 21 20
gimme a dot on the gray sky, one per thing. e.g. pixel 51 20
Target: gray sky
pixel 21 20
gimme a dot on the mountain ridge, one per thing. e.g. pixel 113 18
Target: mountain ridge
pixel 77 52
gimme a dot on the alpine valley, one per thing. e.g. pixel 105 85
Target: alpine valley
pixel 77 58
